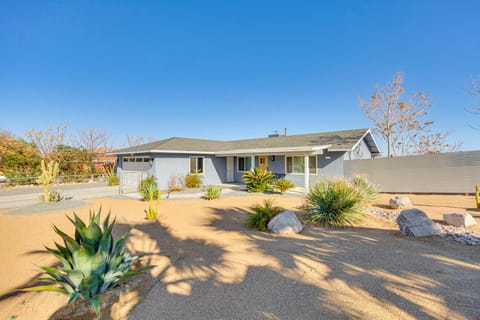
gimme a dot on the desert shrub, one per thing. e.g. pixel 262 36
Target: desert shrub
pixel 283 185
pixel 212 192
pixel 193 180
pixel 258 180
pixel 334 203
pixel 151 213
pixel 148 187
pixel 262 213
pixel 366 188
pixel 112 180
pixel 54 196
pixel 49 173
pixel 90 264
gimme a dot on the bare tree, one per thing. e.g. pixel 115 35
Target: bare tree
pixel 475 92
pixel 46 140
pixel 431 143
pixel 400 122
pixel 93 140
pixel 134 141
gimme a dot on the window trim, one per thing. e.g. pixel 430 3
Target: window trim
pixel 302 174
pixel 190 162
pixel 238 164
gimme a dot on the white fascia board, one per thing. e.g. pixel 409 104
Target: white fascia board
pixel 161 151
pixel 272 151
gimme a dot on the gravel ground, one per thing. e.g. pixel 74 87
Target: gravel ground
pixel 462 235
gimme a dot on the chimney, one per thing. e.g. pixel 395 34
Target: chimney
pixel 284 131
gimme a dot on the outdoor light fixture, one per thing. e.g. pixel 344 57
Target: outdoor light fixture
pixel 273 158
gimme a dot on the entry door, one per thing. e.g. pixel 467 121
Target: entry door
pixel 230 177
pixel 263 162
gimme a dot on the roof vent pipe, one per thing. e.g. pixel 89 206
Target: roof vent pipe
pixel 285 131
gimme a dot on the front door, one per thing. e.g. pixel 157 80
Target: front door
pixel 230 176
pixel 263 162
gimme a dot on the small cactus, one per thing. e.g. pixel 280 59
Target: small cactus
pixel 477 196
pixel 47 177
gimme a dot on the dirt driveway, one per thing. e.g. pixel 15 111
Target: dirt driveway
pixel 209 266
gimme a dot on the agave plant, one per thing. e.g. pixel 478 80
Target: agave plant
pixel 91 263
pixel 258 180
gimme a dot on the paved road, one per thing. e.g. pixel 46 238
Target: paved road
pixel 19 197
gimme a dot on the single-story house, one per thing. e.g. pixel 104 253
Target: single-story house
pixel 302 158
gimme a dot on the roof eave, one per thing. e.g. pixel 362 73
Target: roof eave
pixel 270 151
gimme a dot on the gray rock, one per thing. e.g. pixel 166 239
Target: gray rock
pixel 415 223
pixel 284 223
pixel 461 219
pixel 400 202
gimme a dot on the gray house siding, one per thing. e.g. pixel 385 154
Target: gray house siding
pixel 178 165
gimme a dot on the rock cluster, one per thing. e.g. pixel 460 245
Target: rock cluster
pixel 448 232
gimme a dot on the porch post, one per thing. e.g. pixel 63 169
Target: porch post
pixel 307 174
pixel 252 157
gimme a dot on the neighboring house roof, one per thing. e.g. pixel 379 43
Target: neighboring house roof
pixel 334 141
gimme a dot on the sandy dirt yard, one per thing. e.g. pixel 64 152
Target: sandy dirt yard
pixel 209 266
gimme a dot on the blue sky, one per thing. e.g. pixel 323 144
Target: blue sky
pixel 231 69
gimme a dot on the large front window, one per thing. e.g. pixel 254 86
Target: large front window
pixel 244 163
pixel 196 165
pixel 296 164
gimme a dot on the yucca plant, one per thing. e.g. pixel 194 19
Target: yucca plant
pixel 366 188
pixel 283 185
pixel 258 180
pixel 151 213
pixel 262 213
pixel 334 203
pixel 91 263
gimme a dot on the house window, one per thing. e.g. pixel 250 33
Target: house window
pixel 244 164
pixel 296 164
pixel 136 159
pixel 196 165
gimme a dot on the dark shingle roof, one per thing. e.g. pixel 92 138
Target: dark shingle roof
pixel 339 140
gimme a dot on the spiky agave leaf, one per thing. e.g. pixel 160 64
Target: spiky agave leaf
pixel 92 263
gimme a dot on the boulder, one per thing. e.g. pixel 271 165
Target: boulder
pixel 461 219
pixel 284 223
pixel 400 202
pixel 415 223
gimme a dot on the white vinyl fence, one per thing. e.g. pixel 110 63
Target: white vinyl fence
pixel 455 172
pixel 129 180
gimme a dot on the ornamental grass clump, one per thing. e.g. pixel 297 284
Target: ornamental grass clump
pixel 258 180
pixel 366 188
pixel 90 263
pixel 261 214
pixel 334 203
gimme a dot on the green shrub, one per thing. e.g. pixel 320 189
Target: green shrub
pixel 148 187
pixel 366 188
pixel 54 196
pixel 212 192
pixel 91 263
pixel 283 185
pixel 151 213
pixel 261 214
pixel 334 203
pixel 112 180
pixel 193 180
pixel 258 180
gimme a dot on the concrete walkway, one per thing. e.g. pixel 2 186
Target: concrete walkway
pixel 19 197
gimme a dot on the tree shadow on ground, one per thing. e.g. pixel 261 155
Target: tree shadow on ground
pixel 409 277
